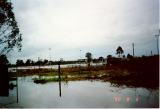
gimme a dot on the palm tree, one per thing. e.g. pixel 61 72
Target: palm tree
pixel 89 58
pixel 119 51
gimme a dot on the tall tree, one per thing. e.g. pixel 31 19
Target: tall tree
pixel 109 56
pixel 9 38
pixel 45 62
pixel 129 56
pixel 3 60
pixel 28 62
pixel 89 58
pixel 119 51
pixel 9 32
pixel 101 59
pixel 19 62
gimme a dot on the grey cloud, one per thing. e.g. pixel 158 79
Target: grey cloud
pixel 100 26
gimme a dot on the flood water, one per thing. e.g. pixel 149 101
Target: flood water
pixel 78 94
pixel 53 66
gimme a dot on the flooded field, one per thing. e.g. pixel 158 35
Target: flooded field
pixel 53 66
pixel 78 94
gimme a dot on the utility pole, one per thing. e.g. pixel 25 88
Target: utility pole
pixel 59 77
pixel 80 57
pixel 157 37
pixel 80 62
pixel 39 62
pixel 50 58
pixel 80 54
pixel 133 48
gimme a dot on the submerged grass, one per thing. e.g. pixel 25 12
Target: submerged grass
pixel 115 75
pixel 45 80
pixel 55 78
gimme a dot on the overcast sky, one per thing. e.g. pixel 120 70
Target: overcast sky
pixel 96 26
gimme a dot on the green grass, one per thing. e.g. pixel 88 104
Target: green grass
pixel 45 80
pixel 64 77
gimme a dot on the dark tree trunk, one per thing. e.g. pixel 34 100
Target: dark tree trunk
pixel 4 80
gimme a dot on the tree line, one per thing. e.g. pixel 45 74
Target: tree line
pixel 88 60
pixel 30 62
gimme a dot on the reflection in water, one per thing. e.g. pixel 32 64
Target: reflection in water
pixel 81 94
pixel 17 89
pixel 13 86
pixel 6 83
pixel 60 88
pixel 59 78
